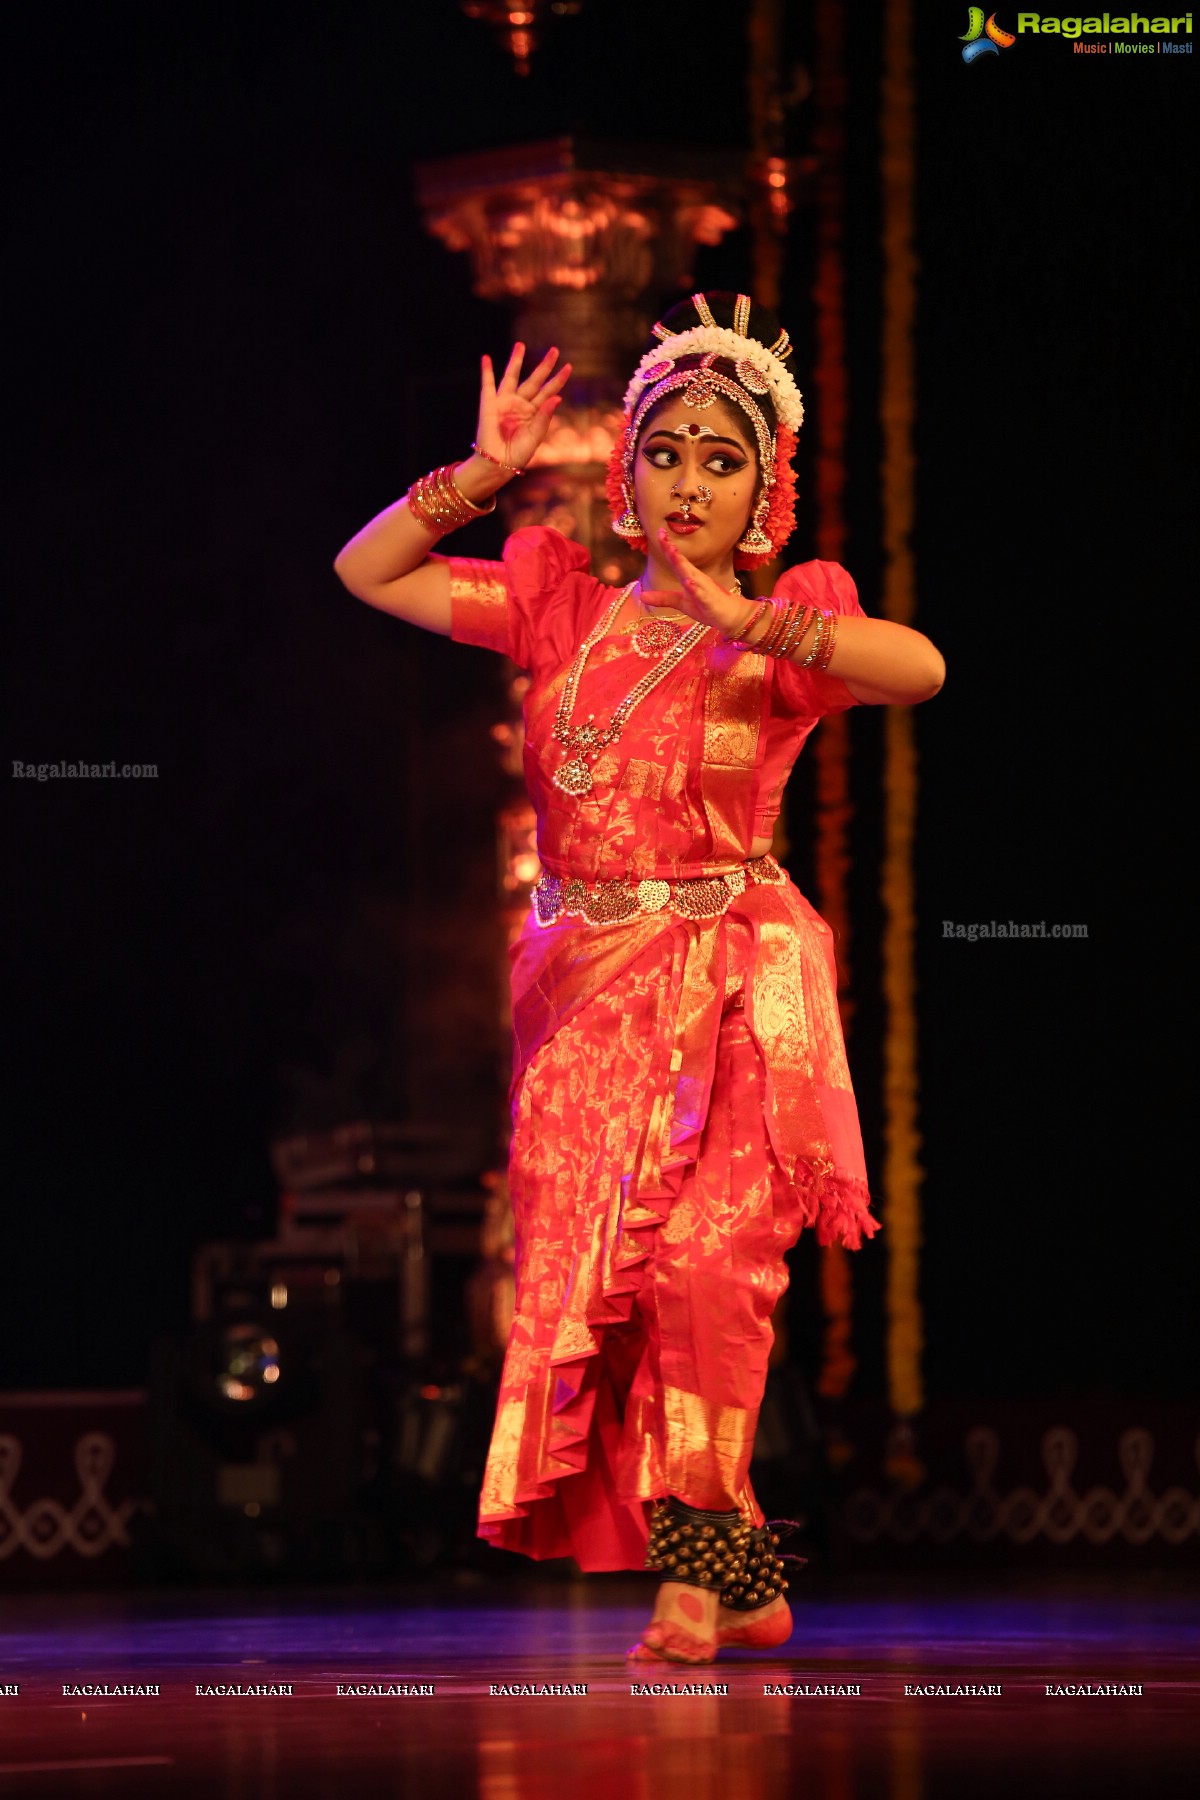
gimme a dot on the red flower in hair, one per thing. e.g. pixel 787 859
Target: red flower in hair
pixel 780 521
pixel 614 487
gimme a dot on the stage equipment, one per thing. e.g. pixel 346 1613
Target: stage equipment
pixel 297 1418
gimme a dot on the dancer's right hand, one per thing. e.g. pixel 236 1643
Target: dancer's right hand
pixel 515 417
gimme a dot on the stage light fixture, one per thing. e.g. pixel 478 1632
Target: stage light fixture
pixel 249 1356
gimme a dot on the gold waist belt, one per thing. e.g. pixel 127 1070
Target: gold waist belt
pixel 611 902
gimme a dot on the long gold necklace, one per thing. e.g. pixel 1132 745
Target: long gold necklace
pixel 585 741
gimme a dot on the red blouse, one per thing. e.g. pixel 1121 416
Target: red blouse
pixel 699 769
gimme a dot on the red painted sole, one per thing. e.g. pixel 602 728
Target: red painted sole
pixel 757 1634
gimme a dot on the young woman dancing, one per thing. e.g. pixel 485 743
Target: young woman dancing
pixel 681 1102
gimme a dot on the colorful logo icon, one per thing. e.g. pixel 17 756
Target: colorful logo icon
pixel 983 38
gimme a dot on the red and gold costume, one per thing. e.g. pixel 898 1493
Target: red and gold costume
pixel 682 1106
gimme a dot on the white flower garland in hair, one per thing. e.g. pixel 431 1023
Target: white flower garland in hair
pixel 698 340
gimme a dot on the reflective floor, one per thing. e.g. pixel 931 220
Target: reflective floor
pixel 464 1740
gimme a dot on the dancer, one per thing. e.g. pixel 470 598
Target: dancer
pixel 681 1102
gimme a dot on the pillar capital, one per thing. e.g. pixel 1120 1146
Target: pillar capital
pixel 577 235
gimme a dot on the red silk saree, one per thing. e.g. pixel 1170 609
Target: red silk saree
pixel 682 1106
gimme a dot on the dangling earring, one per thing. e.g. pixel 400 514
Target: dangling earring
pixel 628 526
pixel 756 542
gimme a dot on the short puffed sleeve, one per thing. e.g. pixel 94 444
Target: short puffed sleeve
pixel 508 606
pixel 812 693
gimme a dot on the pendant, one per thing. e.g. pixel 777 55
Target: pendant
pixel 574 777
pixel 652 636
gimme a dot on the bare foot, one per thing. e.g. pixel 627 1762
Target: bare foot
pixel 683 1627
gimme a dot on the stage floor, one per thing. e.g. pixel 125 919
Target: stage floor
pixel 466 1740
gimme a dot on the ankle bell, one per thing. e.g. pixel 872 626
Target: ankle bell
pixel 764 1575
pixel 705 1549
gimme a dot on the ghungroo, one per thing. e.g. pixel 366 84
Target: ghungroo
pixel 765 1575
pixel 707 1549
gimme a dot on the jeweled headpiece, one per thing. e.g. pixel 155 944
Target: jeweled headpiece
pixel 759 371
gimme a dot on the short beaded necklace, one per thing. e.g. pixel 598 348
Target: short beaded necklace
pixel 573 775
pixel 651 636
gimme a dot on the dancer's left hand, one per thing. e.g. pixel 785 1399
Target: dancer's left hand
pixel 702 598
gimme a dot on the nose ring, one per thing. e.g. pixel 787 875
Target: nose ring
pixel 704 496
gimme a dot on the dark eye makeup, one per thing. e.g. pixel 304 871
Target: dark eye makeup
pixel 662 456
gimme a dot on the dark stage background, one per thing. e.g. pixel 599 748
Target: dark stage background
pixel 231 341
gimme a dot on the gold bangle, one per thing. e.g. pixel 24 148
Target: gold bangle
pixel 764 643
pixel 454 494
pixel 740 636
pixel 785 618
pixel 765 611
pixel 818 639
pixel 812 617
pixel 797 626
pixel 822 661
pixel 438 503
pixel 790 619
pixel 421 511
